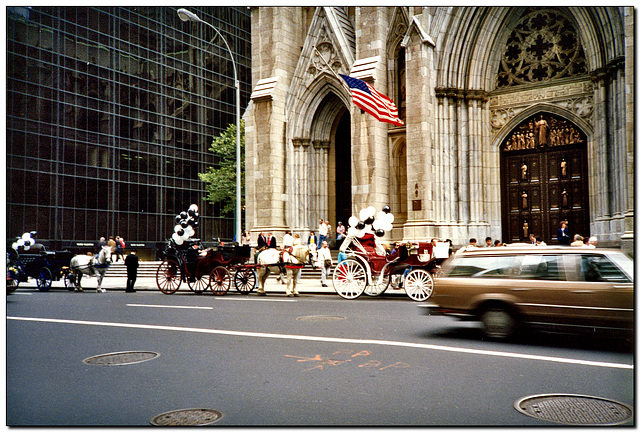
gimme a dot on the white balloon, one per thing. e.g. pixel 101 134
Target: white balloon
pixel 371 211
pixel 350 232
pixel 26 236
pixel 20 242
pixel 193 207
pixel 390 217
pixel 378 224
pixel 188 231
pixel 359 233
pixel 387 227
pixel 363 214
pixel 177 228
pixel 176 238
pixel 353 221
pixel 14 245
pixel 27 247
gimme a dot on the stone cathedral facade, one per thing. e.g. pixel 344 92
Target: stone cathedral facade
pixel 515 119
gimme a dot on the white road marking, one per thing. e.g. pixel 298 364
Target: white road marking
pixel 168 307
pixel 256 299
pixel 335 340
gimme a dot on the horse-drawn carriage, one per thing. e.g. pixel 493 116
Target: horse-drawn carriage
pixel 369 269
pixel 213 268
pixel 43 266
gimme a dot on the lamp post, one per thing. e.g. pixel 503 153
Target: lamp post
pixel 186 15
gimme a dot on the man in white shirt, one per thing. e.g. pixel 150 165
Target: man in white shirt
pixel 322 232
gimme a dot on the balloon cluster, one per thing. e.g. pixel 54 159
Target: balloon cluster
pixel 26 241
pixel 370 222
pixel 186 222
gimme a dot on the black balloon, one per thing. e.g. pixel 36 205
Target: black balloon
pixel 180 232
pixel 178 219
pixel 369 220
pixel 195 223
pixel 191 221
pixel 191 212
pixel 386 209
pixel 184 223
pixel 360 225
pixel 183 215
pixel 196 215
pixel 380 233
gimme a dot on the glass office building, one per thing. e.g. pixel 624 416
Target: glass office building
pixel 110 115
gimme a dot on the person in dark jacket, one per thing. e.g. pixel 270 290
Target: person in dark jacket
pixel 131 261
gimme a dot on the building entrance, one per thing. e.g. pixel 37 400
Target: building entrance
pixel 343 169
pixel 544 179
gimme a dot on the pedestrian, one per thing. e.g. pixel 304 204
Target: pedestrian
pixel 118 249
pixel 497 243
pixel 246 239
pixel 540 242
pixel 532 239
pixel 297 241
pixel 322 232
pixel 488 242
pixel 340 233
pixel 102 243
pixel 592 242
pixel 324 258
pixel 262 242
pixel 131 262
pixel 287 240
pixel 472 245
pixel 112 245
pixel 577 241
pixel 563 234
pixel 312 242
pixel 271 241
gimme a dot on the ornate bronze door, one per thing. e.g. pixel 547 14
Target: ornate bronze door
pixel 544 179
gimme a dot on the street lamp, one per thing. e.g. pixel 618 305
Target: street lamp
pixel 186 15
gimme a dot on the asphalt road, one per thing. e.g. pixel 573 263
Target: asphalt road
pixel 313 360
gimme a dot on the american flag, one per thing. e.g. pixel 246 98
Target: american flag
pixel 372 101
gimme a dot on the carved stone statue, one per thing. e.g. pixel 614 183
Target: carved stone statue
pixel 525 201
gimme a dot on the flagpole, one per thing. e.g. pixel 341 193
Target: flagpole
pixel 331 69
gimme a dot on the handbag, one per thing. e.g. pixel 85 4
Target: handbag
pixel 327 263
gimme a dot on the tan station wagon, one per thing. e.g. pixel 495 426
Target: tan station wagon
pixel 562 287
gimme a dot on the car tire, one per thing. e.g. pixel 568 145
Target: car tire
pixel 498 322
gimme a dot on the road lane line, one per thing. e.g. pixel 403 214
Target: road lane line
pixel 169 307
pixel 334 340
pixel 256 299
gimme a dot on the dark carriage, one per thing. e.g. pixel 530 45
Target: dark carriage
pixel 43 266
pixel 211 268
pixel 369 269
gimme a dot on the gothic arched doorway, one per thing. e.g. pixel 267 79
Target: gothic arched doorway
pixel 544 179
pixel 343 169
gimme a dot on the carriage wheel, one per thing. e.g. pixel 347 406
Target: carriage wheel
pixel 168 276
pixel 12 285
pixel 69 281
pixel 349 279
pixel 375 288
pixel 220 280
pixel 419 285
pixel 245 280
pixel 200 284
pixel 44 278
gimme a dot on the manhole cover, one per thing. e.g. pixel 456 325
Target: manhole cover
pixel 320 318
pixel 574 409
pixel 121 358
pixel 187 417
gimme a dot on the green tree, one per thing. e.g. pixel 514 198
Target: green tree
pixel 220 182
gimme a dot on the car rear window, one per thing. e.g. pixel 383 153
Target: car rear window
pixel 508 266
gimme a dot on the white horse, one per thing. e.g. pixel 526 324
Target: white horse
pixel 272 260
pixel 91 266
